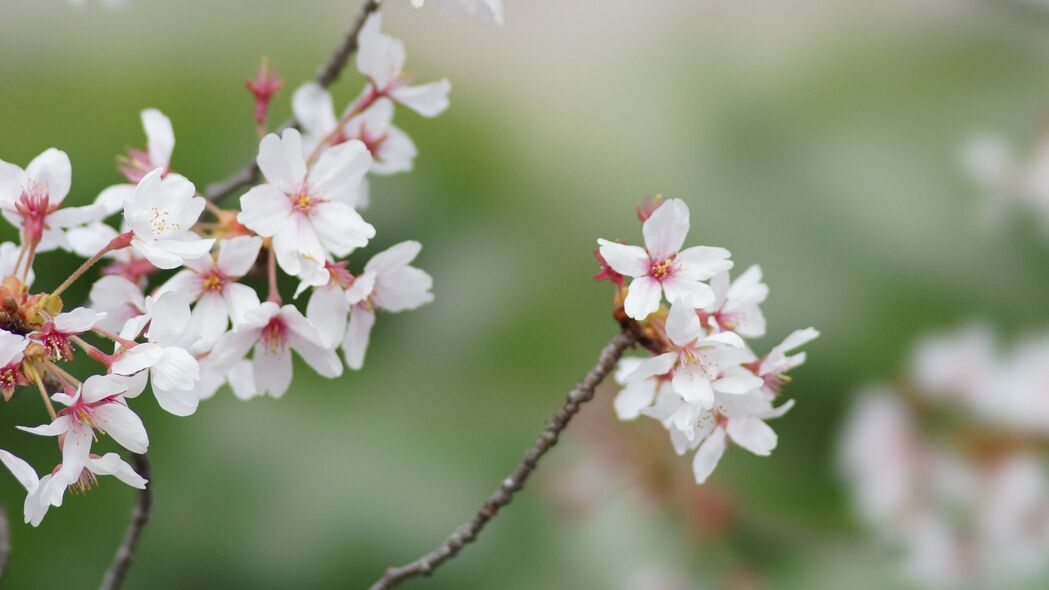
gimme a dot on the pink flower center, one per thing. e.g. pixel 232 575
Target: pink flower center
pixel 339 274
pixel 275 335
pixel 9 379
pixel 136 165
pixel 371 141
pixel 302 200
pixel 660 270
pixel 56 343
pixel 34 205
pixel 212 281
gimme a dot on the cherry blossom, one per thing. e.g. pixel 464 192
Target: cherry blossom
pixel 89 239
pixel 31 200
pixel 388 283
pixel 211 282
pixel 119 299
pixel 161 214
pixel 391 149
pixel 306 210
pixel 274 331
pixel 173 371
pixel 9 259
pixel 12 347
pixel 96 405
pixel 55 334
pixel 661 267
pixel 381 59
pixel 736 305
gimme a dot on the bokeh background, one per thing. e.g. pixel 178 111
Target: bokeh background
pixel 818 139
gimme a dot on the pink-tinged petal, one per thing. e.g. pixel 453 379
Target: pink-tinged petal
pixel 363 286
pixel 209 321
pixel 358 333
pixel 320 358
pixel 98 387
pixel 272 369
pixel 242 381
pixel 186 282
pixel 112 464
pixel 313 109
pixel 238 255
pixel 328 311
pixel 683 325
pixel 142 356
pixel 53 170
pixel 633 398
pixel 697 294
pixel 752 434
pixel 338 173
pixel 119 422
pixel 23 472
pixel 79 320
pixel 264 210
pixel 692 383
pixel 429 100
pixel 112 199
pixel 657 365
pixel 281 161
pixel 665 230
pixel 394 257
pixel 631 261
pixel 700 263
pixel 708 455
pixel 379 57
pixel 642 298
pixel 340 228
pixel 160 137
pixel 240 299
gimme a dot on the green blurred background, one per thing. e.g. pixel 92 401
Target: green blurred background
pixel 818 139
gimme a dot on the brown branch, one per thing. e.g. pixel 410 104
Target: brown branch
pixel 326 75
pixel 125 556
pixel 466 533
pixel 5 541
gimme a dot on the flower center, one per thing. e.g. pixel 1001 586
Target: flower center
pixel 213 282
pixel 135 165
pixel 274 335
pixel 160 223
pixel 302 200
pixel 34 205
pixel 661 269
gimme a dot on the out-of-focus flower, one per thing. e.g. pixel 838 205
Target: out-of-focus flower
pixel 307 211
pixel 486 12
pixel 661 267
pixel 161 215
pixel 381 58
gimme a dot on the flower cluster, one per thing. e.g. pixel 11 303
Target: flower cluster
pixel 703 382
pixel 174 311
pixel 948 466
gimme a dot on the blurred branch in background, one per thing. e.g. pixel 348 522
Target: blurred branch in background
pixel 467 533
pixel 125 556
pixel 326 75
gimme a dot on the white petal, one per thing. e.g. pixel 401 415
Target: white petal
pixel 738 384
pixel 11 347
pixel 665 230
pixel 328 311
pixel 632 398
pixel 59 425
pixel 281 160
pixel 312 106
pixel 98 387
pixel 658 365
pixel 112 199
pixel 52 170
pixel 209 321
pixel 119 422
pixel 394 257
pixel 264 210
pixel 355 344
pixel 23 472
pixel 170 318
pixel 176 402
pixel 160 137
pixel 752 434
pixel 693 384
pixel 700 263
pixel 402 289
pixel 340 228
pixel 242 381
pixel 683 325
pixel 112 464
pixel 272 369
pixel 631 261
pixel 237 255
pixel 642 298
pixel 338 172
pixel 176 371
pixel 240 299
pixel 142 356
pixel 297 247
pixel 429 100
pixel 708 455
pixel 79 320
pixel 697 294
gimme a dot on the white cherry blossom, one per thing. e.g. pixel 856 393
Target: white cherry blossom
pixel 737 304
pixel 160 143
pixel 662 267
pixel 161 214
pixel 307 212
pixel 380 57
pixel 119 299
pixel 486 12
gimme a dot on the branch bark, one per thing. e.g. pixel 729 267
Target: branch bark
pixel 468 532
pixel 326 75
pixel 125 556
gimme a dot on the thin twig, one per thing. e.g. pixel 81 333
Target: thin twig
pixel 117 572
pixel 5 540
pixel 326 75
pixel 466 533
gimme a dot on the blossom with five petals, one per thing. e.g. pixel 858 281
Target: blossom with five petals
pixel 380 57
pixel 161 215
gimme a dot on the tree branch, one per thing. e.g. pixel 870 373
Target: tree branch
pixel 326 75
pixel 466 533
pixel 125 556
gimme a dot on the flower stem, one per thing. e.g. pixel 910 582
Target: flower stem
pixel 43 393
pixel 271 271
pixel 366 101
pixel 121 241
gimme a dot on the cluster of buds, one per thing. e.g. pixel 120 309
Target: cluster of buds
pixel 702 381
pixel 947 467
pixel 170 313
